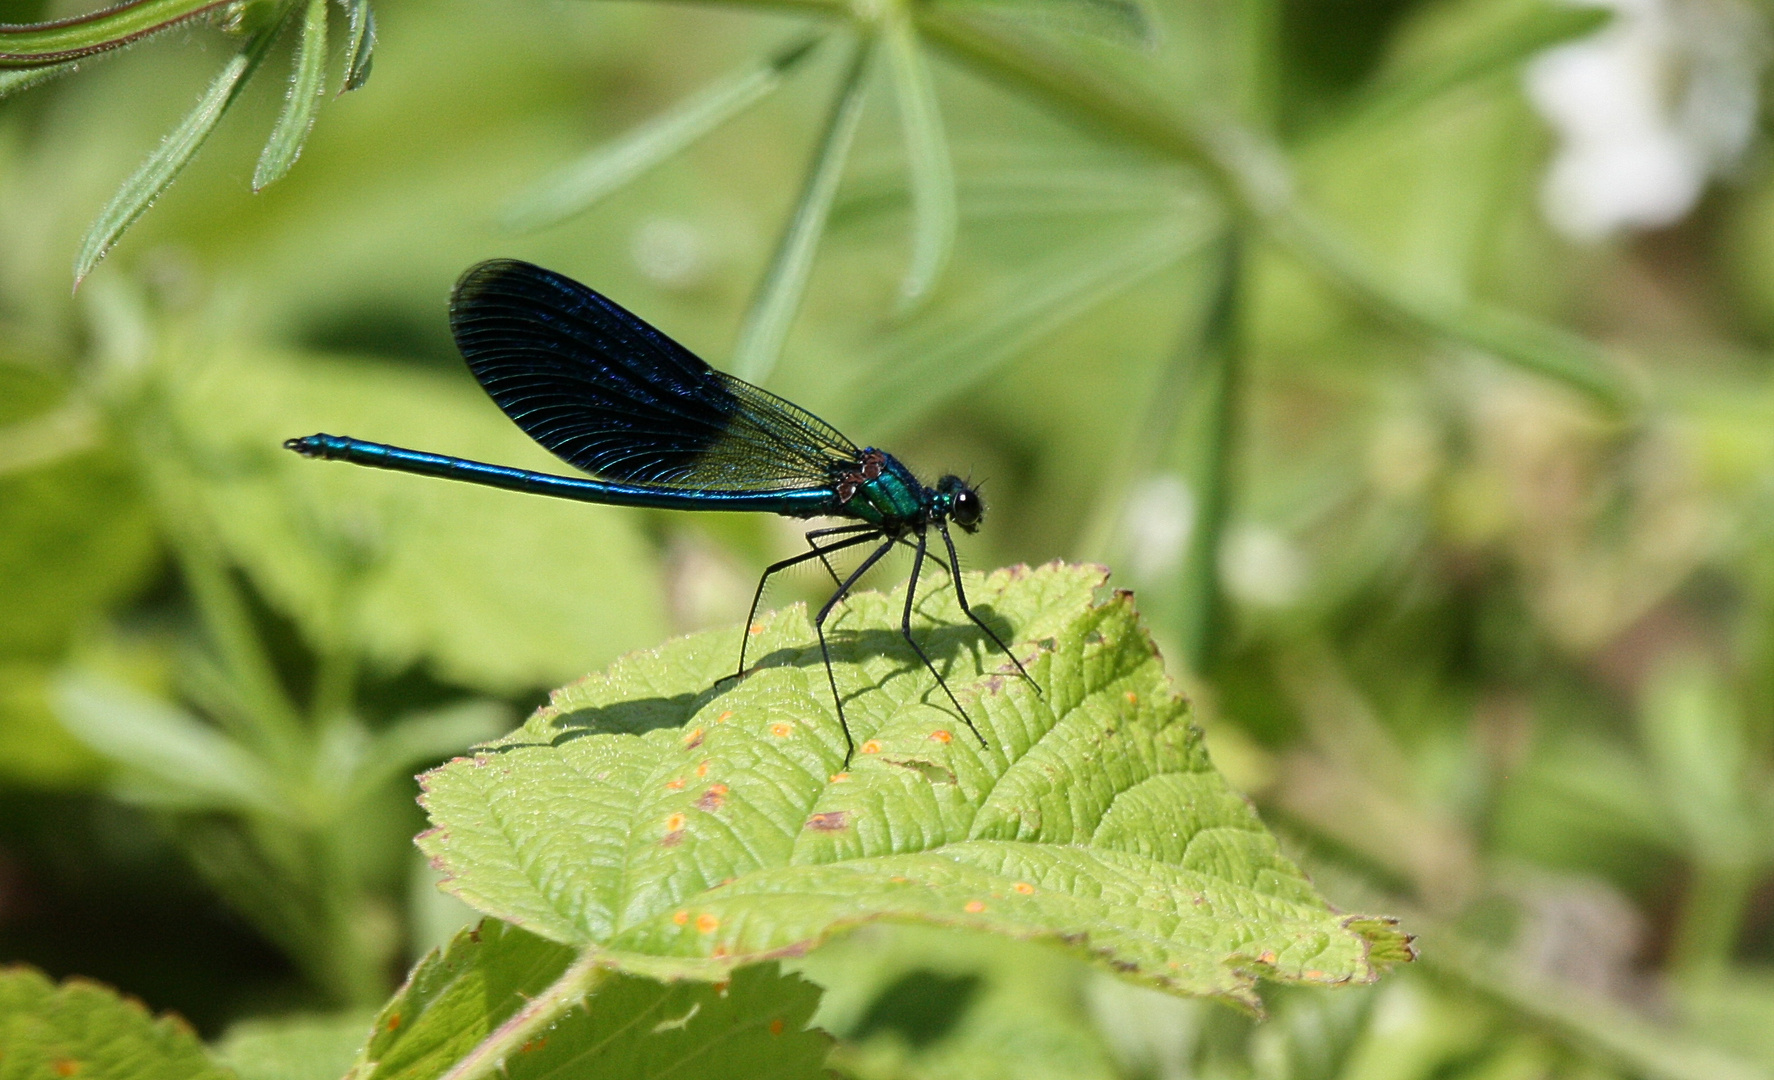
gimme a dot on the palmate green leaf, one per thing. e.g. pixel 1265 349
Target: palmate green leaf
pixel 613 1026
pixel 301 102
pixel 172 155
pixel 81 1029
pixel 1124 21
pixel 360 43
pixel 491 589
pixel 785 282
pixel 729 829
pixel 934 357
pixel 581 184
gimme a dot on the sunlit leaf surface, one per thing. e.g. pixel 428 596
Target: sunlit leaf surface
pixel 688 828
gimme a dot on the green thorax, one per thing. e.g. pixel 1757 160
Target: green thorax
pixel 880 491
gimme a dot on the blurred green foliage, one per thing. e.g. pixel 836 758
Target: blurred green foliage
pixel 1488 652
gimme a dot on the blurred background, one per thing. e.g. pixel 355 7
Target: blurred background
pixel 1492 650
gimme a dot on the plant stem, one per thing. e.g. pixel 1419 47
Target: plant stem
pixel 1604 1027
pixel 1711 918
pixel 575 984
pixel 1218 382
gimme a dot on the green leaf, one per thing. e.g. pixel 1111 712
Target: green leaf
pixel 67 39
pixel 1125 21
pixel 934 212
pixel 360 45
pixel 174 152
pixel 785 282
pixel 35 749
pixel 578 186
pixel 307 83
pixel 459 1003
pixel 730 829
pixel 492 589
pixel 938 1004
pixel 81 1029
pixel 170 757
pixel 294 1048
pixel 934 357
pixel 426 737
pixel 1254 174
pixel 75 535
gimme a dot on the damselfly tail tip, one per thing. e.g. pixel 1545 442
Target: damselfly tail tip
pixel 308 445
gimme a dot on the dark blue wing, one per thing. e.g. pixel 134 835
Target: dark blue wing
pixel 612 396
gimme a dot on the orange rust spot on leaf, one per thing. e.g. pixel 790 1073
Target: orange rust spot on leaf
pixel 1132 698
pixel 974 907
pixel 1314 973
pixel 1024 887
pixel 776 1026
pixel 66 1067
pixel 782 729
pixel 534 1044
pixel 693 740
pixel 682 918
pixel 702 769
pixel 1267 956
pixel 674 785
pixel 712 798
pixel 707 924
pixel 754 630
pixel 675 823
pixel 394 1022
pixel 724 717
pixel 871 747
pixel 941 736
pixel 840 777
pixel 717 952
pixel 831 821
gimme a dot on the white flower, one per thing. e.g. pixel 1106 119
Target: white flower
pixel 1647 110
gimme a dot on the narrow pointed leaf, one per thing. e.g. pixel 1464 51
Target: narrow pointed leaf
pixel 307 81
pixel 31 44
pixel 785 283
pixel 932 171
pixel 578 186
pixel 1126 22
pixel 177 758
pixel 927 361
pixel 360 46
pixel 174 152
pixel 684 828
pixel 426 738
pixel 16 79
pixel 1524 31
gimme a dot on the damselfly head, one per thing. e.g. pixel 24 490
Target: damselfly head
pixel 965 507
